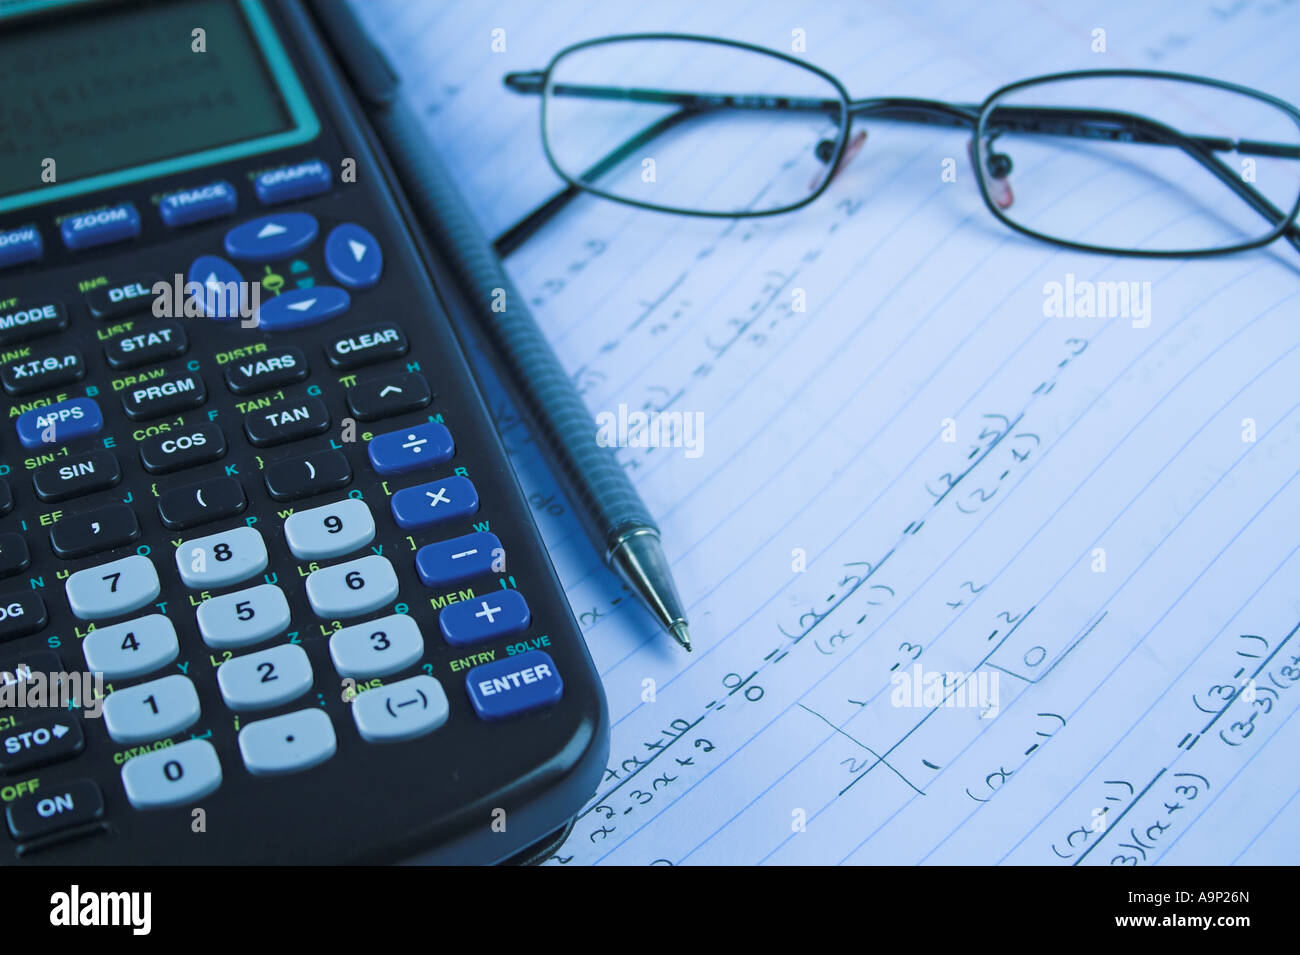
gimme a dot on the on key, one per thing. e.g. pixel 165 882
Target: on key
pixel 175 450
pixel 200 503
pixel 302 477
pixel 76 476
pixel 177 393
pixel 50 810
pixel 385 397
pixel 45 369
pixel 76 535
pixel 286 421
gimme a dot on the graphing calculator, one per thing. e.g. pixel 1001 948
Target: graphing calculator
pixel 269 591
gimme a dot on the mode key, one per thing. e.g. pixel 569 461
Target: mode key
pixel 366 346
pixel 22 322
pixel 162 340
pixel 186 448
pixel 134 294
pixel 168 396
pixel 42 370
pixel 286 421
pixel 271 369
pixel 73 477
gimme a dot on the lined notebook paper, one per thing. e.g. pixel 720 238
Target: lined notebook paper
pixel 968 584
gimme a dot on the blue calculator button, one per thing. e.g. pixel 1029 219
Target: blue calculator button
pixel 199 204
pixel 20 245
pixel 514 685
pixel 298 181
pixel 455 561
pixel 60 423
pixel 435 503
pixel 268 238
pixel 223 287
pixel 500 613
pixel 410 449
pixel 90 229
pixel 353 256
pixel 303 307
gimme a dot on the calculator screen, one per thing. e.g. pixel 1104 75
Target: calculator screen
pixel 96 95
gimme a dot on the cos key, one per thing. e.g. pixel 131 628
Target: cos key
pixel 175 450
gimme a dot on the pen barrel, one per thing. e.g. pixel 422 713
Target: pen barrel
pixel 606 500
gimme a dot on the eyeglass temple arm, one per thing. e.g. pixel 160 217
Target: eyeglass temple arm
pixel 522 230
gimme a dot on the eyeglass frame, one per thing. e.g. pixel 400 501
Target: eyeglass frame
pixel 976 117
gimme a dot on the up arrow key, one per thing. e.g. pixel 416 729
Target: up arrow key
pixel 390 395
pixel 270 229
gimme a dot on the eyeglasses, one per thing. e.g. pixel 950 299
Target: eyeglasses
pixel 1122 162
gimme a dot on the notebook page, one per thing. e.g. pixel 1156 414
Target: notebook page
pixel 1083 527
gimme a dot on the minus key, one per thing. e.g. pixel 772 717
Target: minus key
pixel 459 559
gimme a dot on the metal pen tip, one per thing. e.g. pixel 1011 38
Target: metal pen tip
pixel 681 634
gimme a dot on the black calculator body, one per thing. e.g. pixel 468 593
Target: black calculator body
pixel 280 547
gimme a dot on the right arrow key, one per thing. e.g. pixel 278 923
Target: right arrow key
pixel 387 396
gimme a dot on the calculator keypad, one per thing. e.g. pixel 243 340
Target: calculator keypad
pixel 243 618
pixel 354 588
pixel 212 437
pixel 172 776
pixel 220 560
pixel 267 678
pixel 117 587
pixel 147 711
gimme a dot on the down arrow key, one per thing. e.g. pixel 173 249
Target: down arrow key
pixel 384 397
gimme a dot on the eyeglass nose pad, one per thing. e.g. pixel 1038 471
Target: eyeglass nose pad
pixel 999 182
pixel 825 149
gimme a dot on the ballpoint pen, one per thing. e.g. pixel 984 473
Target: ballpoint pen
pixel 608 505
